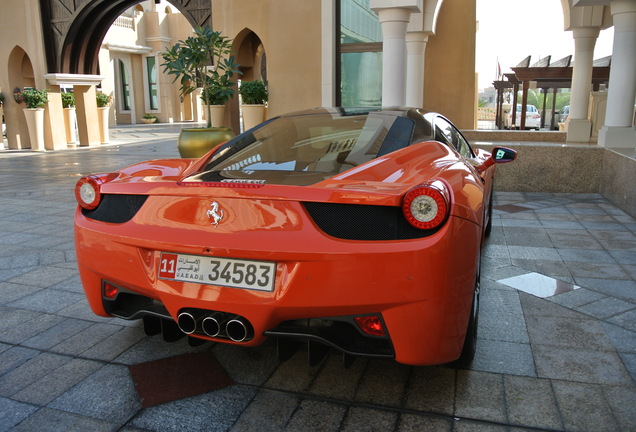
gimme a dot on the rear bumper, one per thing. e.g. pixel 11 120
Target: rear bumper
pixel 422 288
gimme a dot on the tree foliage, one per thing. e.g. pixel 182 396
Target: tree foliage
pixel 203 60
pixel 535 97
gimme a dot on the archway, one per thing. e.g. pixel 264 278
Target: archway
pixel 251 55
pixel 73 33
pixel 21 75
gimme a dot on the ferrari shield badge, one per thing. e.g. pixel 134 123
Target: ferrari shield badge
pixel 215 214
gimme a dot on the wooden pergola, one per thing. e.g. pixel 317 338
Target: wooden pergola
pixel 547 76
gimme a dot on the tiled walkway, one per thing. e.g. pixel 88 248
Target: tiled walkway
pixel 556 349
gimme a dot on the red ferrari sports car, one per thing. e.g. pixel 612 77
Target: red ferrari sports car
pixel 352 229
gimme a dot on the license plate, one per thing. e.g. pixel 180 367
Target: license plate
pixel 230 272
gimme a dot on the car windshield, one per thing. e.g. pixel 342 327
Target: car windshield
pixel 306 149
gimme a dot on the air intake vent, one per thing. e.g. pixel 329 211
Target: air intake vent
pixel 116 208
pixel 363 222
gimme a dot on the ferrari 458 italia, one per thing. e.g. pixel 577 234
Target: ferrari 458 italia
pixel 351 229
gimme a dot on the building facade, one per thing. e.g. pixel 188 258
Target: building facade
pixel 311 53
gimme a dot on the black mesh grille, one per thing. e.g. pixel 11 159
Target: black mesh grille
pixel 116 208
pixel 363 222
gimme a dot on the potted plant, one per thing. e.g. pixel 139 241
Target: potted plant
pixel 214 104
pixel 254 96
pixel 70 118
pixel 33 98
pixel 103 100
pixel 148 118
pixel 35 101
pixel 103 103
pixel 203 60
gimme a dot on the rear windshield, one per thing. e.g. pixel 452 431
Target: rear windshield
pixel 306 149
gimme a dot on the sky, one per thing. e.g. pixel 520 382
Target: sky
pixel 511 30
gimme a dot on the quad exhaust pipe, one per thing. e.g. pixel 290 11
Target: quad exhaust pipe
pixel 239 329
pixel 187 322
pixel 215 324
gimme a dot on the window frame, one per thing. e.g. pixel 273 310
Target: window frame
pixel 149 85
pixel 347 48
pixel 124 87
pixel 457 141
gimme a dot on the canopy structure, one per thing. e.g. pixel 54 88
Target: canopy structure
pixel 547 76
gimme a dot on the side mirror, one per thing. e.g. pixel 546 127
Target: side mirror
pixel 499 155
pixel 503 155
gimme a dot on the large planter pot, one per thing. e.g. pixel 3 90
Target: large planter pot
pixel 217 114
pixel 102 118
pixel 35 125
pixel 252 115
pixel 145 120
pixel 194 143
pixel 70 125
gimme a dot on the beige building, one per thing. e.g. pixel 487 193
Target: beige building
pixel 130 62
pixel 311 52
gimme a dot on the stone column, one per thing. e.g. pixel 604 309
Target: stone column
pixel 579 127
pixel 54 134
pixel 394 17
pixel 618 130
pixel 416 51
pixel 87 124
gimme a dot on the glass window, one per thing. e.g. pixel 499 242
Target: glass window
pixel 306 149
pixel 361 79
pixel 462 145
pixel 359 55
pixel 446 133
pixel 358 23
pixel 125 87
pixel 152 83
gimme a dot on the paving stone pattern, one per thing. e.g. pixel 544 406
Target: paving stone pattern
pixel 558 362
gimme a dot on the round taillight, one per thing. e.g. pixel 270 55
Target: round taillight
pixel 87 192
pixel 425 207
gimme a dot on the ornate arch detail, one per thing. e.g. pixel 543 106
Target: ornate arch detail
pixel 250 52
pixel 74 29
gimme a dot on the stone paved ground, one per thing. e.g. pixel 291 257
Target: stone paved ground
pixel 545 361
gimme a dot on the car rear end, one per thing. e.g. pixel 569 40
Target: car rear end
pixel 378 259
pixel 281 266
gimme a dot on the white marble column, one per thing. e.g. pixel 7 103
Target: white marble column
pixel 618 130
pixel 394 17
pixel 416 49
pixel 579 127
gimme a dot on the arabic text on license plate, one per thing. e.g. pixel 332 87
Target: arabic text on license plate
pixel 230 272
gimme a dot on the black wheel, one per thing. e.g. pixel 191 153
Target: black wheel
pixel 489 224
pixel 470 342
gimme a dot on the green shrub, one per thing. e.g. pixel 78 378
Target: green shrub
pixel 68 100
pixel 103 100
pixel 33 98
pixel 253 92
pixel 212 96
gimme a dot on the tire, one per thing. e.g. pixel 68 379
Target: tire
pixel 488 228
pixel 470 342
